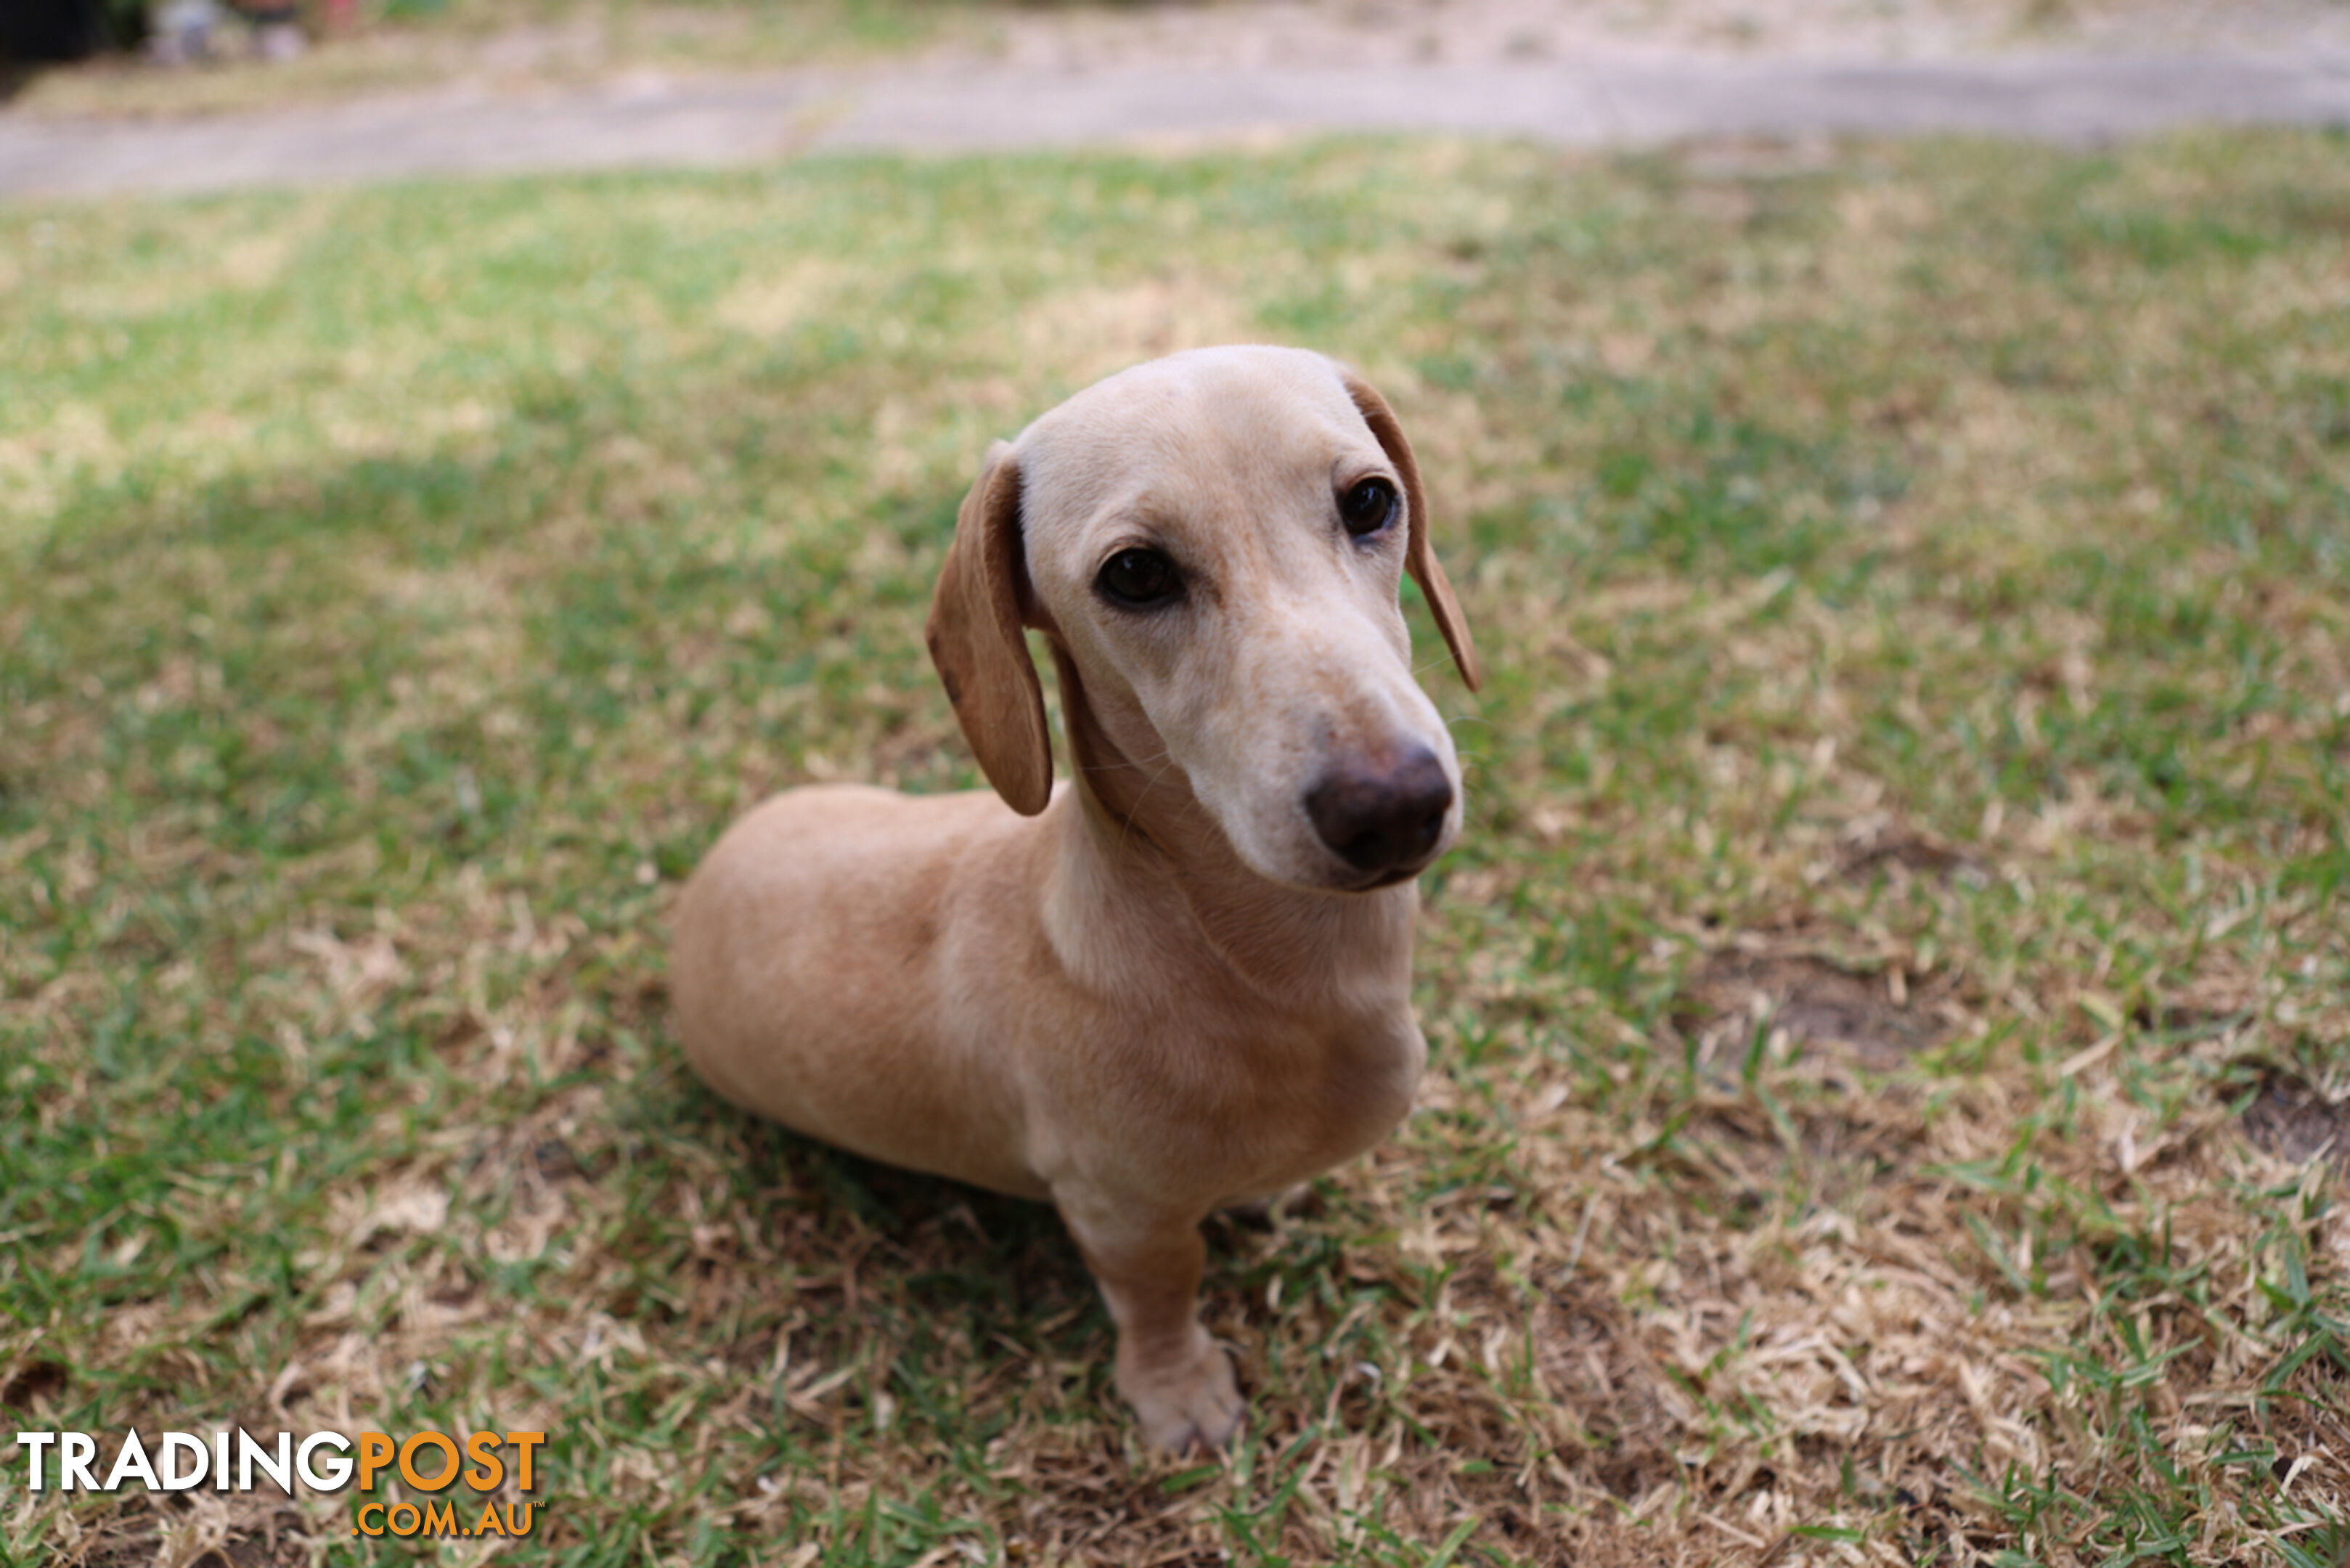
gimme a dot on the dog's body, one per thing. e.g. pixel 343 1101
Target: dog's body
pixel 1182 981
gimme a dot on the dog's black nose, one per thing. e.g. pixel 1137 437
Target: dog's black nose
pixel 1379 819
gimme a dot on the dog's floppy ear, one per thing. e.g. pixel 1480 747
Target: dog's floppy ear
pixel 978 643
pixel 1419 553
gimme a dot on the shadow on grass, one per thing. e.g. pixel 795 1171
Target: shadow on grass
pixel 942 1306
pixel 960 1243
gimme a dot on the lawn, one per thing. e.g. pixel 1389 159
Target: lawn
pixel 505 46
pixel 1886 1012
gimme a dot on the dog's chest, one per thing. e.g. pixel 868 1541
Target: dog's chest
pixel 1304 1111
pixel 1370 1077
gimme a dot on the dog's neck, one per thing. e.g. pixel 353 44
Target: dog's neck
pixel 1140 822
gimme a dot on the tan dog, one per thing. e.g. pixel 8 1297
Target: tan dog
pixel 1183 981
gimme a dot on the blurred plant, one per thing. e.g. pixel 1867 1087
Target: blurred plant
pixel 125 22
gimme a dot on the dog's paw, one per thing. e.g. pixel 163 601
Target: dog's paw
pixel 1190 1404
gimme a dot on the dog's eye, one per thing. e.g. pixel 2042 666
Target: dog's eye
pixel 1369 507
pixel 1139 577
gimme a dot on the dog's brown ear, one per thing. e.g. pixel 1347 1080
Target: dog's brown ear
pixel 979 644
pixel 1419 553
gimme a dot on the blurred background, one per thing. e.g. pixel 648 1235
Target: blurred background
pixel 320 47
pixel 1889 1012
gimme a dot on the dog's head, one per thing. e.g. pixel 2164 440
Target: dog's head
pixel 1213 544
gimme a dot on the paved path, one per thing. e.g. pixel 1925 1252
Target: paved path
pixel 708 123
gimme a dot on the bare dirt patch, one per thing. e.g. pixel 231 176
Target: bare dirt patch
pixel 2294 1122
pixel 1733 994
pixel 34 1380
pixel 1877 848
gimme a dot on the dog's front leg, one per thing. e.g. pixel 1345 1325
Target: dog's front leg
pixel 1149 1264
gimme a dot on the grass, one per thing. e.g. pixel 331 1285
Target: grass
pixel 1881 1012
pixel 419 44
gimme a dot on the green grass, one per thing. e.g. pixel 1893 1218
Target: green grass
pixel 1908 827
pixel 406 45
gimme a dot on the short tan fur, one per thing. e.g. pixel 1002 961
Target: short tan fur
pixel 1181 981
